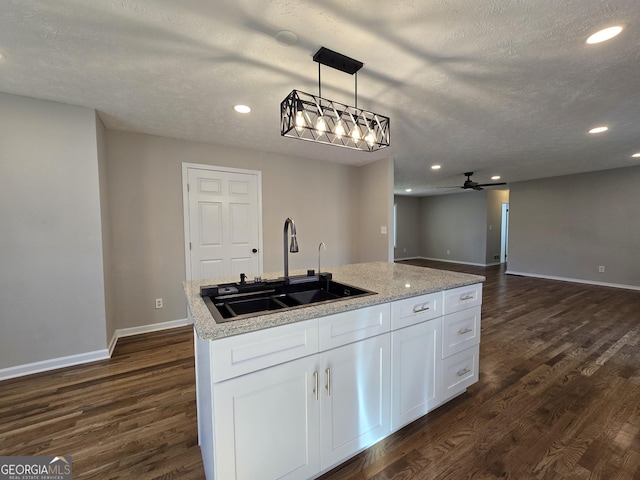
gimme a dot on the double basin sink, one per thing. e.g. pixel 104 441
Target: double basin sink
pixel 234 301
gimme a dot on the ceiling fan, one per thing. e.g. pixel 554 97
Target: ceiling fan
pixel 468 183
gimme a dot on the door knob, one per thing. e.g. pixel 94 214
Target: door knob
pixel 254 250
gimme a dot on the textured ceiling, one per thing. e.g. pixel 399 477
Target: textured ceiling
pixel 496 87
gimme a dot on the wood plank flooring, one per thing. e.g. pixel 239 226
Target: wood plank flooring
pixel 130 417
pixel 558 398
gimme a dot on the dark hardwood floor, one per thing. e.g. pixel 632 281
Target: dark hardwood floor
pixel 558 398
pixel 130 417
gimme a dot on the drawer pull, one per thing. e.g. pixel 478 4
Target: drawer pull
pixel 467 297
pixel 315 384
pixel 462 372
pixel 421 308
pixel 462 331
pixel 328 387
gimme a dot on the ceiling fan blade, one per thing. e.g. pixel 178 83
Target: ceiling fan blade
pixel 490 184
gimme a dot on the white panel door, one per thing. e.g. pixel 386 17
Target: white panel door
pixel 355 398
pixel 267 423
pixel 224 223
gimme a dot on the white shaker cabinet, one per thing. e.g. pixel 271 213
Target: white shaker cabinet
pixel 267 423
pixel 461 339
pixel 355 398
pixel 293 401
pixel 417 372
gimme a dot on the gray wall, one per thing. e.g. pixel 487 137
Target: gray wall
pixel 51 282
pixel 467 224
pixel 375 210
pixel 92 224
pixel 567 226
pixel 326 200
pixel 407 227
pixel 457 223
pixel 109 294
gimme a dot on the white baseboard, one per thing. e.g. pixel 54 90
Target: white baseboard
pixel 154 327
pixel 574 280
pixel 53 364
pixel 72 360
pixel 451 261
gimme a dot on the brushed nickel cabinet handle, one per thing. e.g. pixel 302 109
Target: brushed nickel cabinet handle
pixel 421 308
pixel 466 297
pixel 462 331
pixel 328 372
pixel 462 372
pixel 315 385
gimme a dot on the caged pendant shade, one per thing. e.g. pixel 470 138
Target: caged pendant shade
pixel 317 119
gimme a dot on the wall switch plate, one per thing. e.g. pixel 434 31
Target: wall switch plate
pixel 158 303
pixel 383 229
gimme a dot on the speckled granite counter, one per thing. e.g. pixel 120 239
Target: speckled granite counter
pixel 391 281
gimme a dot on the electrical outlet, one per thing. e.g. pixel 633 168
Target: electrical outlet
pixel 383 229
pixel 158 303
pixel 601 268
pixel 448 252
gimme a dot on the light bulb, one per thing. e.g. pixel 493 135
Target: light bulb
pixel 321 125
pixel 339 130
pixel 355 133
pixel 300 123
pixel 370 138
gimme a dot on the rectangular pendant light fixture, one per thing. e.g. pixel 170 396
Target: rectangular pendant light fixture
pixel 316 119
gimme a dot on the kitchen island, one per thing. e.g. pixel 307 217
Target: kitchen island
pixel 292 394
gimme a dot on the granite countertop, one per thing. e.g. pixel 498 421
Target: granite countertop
pixel 391 281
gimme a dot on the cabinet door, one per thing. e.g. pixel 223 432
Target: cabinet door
pixel 416 371
pixel 267 423
pixel 354 398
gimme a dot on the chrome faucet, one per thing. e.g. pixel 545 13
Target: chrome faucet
pixel 294 245
pixel 322 245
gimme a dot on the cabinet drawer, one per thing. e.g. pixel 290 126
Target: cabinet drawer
pixel 241 354
pixel 461 331
pixel 415 310
pixel 460 371
pixel 347 327
pixel 461 298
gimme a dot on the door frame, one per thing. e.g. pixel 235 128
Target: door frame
pixel 185 208
pixel 504 233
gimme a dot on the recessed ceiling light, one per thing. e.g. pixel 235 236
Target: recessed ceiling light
pixel 436 167
pixel 604 35
pixel 407 190
pixel 287 37
pixel 598 129
pixel 495 177
pixel 636 155
pixel 242 109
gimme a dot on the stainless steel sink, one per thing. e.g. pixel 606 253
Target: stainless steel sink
pixel 235 301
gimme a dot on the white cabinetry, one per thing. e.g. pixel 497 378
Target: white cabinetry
pixel 416 357
pixel 267 423
pixel 279 416
pixel 461 339
pixel 355 404
pixel 293 401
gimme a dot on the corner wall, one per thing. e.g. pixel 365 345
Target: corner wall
pixel 407 227
pixel 375 212
pixel 52 301
pixel 147 227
